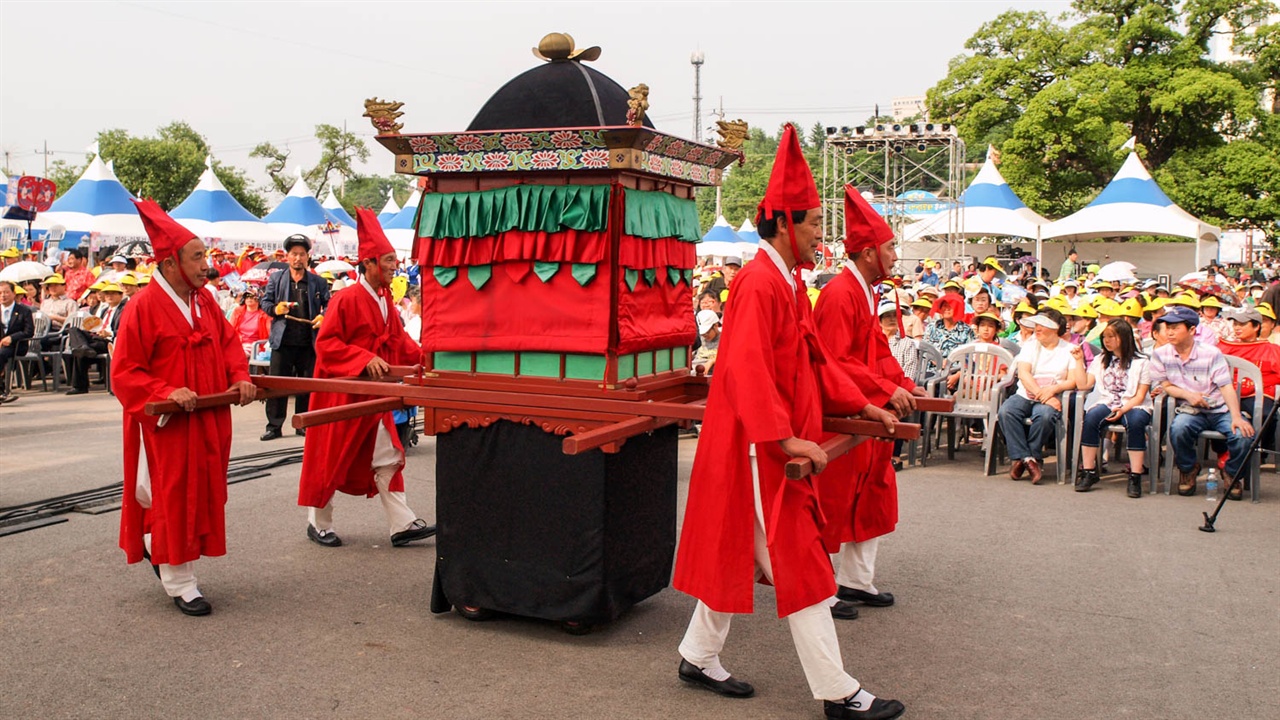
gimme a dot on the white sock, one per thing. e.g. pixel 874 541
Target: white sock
pixel 860 700
pixel 717 673
pixel 190 595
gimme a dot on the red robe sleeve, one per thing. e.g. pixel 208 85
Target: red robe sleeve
pixel 748 382
pixel 338 357
pixel 131 382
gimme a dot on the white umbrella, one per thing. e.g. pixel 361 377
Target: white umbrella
pixel 334 266
pixel 1118 271
pixel 26 270
pixel 1203 275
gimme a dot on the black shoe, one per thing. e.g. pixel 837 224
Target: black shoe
pixel 7 398
pixel 848 710
pixel 327 539
pixel 271 434
pixel 300 432
pixel 196 607
pixel 1135 485
pixel 1087 479
pixel 844 610
pixel 154 568
pixel 883 599
pixel 76 391
pixel 731 687
pixel 420 530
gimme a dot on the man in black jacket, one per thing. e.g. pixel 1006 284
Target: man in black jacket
pixel 295 299
pixel 16 329
pixel 88 345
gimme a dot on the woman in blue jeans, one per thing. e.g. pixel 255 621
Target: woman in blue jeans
pixel 1121 376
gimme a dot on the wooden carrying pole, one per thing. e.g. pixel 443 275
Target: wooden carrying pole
pixel 798 468
pixel 349 411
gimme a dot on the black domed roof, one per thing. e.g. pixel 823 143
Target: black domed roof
pixel 559 94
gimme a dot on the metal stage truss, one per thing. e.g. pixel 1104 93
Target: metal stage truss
pixel 888 160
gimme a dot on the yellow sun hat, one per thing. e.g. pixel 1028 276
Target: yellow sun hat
pixel 54 279
pixel 1131 308
pixel 1086 311
pixel 1211 301
pixel 1155 304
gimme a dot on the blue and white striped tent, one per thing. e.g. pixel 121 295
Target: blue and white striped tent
pixel 1131 204
pixel 389 210
pixel 300 213
pixel 747 231
pixel 334 206
pixel 988 208
pixel 722 241
pixel 213 214
pixel 98 206
pixel 399 228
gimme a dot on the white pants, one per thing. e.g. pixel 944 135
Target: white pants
pixel 856 565
pixel 178 580
pixel 812 630
pixel 387 459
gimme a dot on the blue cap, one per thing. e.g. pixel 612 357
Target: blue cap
pixel 1181 314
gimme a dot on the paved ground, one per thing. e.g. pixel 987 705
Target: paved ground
pixel 1015 602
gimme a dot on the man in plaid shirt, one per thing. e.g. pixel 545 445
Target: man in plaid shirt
pixel 1197 376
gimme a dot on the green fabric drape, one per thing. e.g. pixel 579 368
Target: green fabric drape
pixel 445 275
pixel 583 272
pixel 532 208
pixel 654 215
pixel 479 275
pixel 673 274
pixel 545 270
pixel 632 277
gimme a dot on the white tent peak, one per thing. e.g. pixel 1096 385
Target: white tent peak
pixel 99 170
pixel 331 201
pixel 208 161
pixel 391 207
pixel 1133 167
pixel 747 226
pixel 988 174
pixel 721 221
pixel 300 188
pixel 1131 143
pixel 209 180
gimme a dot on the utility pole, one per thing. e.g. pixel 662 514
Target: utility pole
pixel 719 115
pixel 45 153
pixel 697 58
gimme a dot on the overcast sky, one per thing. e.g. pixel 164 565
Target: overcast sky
pixel 244 72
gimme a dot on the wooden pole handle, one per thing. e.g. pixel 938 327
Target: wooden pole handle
pixel 798 468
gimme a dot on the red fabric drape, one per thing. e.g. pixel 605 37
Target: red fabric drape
pixel 508 314
pixel 640 254
pixel 653 317
pixel 569 246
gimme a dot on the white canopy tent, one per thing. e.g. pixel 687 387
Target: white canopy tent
pixel 97 205
pixel 987 208
pixel 399 229
pixel 1131 204
pixel 212 213
pixel 722 241
pixel 300 213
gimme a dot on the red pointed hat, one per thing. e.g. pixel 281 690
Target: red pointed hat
pixel 373 241
pixel 167 235
pixel 791 185
pixel 863 226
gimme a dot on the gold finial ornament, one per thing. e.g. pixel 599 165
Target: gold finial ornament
pixel 732 133
pixel 638 105
pixel 383 114
pixel 559 47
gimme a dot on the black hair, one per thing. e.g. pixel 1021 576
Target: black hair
pixel 768 226
pixel 708 293
pixel 1057 317
pixel 79 253
pixel 211 274
pixel 1128 346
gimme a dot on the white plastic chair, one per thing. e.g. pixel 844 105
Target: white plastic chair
pixel 986 371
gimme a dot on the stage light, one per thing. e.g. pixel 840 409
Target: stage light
pixel 871 149
pixel 844 129
pixel 929 127
pixel 860 130
pixel 848 151
pixel 897 147
pixel 879 128
pixel 897 128
pixel 946 127
pixel 831 131
pixel 915 129
pixel 922 147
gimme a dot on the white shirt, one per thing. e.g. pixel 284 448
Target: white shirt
pixel 1048 367
pixel 382 301
pixel 6 314
pixel 183 307
pixel 871 298
pixel 777 260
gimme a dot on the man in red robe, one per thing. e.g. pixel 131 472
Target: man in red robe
pixel 361 334
pixel 859 491
pixel 173 343
pixel 745 523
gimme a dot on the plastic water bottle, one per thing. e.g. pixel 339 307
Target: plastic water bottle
pixel 1211 485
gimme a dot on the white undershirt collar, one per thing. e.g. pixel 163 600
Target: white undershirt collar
pixel 183 307
pixel 382 302
pixel 777 260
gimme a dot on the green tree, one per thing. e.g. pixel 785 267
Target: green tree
pixel 371 191
pixel 167 167
pixel 1059 96
pixel 64 174
pixel 339 149
pixel 743 184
